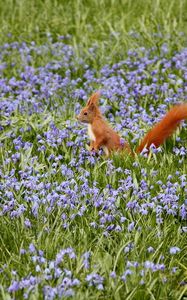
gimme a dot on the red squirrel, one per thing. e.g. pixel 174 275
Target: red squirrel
pixel 103 136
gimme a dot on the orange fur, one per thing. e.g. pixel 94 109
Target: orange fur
pixel 103 136
pixel 165 128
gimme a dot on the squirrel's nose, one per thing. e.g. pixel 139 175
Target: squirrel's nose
pixel 77 117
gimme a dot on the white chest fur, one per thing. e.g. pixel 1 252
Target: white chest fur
pixel 90 133
pixel 93 138
pixel 105 149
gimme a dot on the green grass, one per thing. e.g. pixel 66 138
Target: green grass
pixel 107 23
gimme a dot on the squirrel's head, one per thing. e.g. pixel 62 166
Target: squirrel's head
pixel 91 110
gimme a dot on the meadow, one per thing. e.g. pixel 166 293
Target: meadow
pixel 75 225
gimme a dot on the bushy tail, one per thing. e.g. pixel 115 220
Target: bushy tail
pixel 164 129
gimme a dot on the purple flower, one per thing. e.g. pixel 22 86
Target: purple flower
pixel 32 248
pixel 149 265
pixel 27 223
pixel 23 251
pixel 122 142
pixel 38 269
pixel 150 249
pixel 69 251
pixel 96 280
pixel 128 248
pixel 131 226
pixel 14 287
pixel 184 229
pixel 113 274
pixel 128 272
pixel 174 270
pixel 174 250
pixel 86 259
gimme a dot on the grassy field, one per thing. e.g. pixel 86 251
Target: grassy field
pixel 75 225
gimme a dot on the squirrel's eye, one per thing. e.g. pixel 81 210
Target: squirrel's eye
pixel 85 113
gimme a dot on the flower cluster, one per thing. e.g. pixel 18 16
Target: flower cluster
pixel 55 193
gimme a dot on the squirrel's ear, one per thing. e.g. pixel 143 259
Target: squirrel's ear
pixel 91 106
pixel 94 98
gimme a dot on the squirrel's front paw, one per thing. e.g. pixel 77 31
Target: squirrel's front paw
pixel 90 149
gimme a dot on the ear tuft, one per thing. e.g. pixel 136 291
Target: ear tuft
pixel 94 98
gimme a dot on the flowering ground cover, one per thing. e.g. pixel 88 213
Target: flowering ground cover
pixel 80 226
